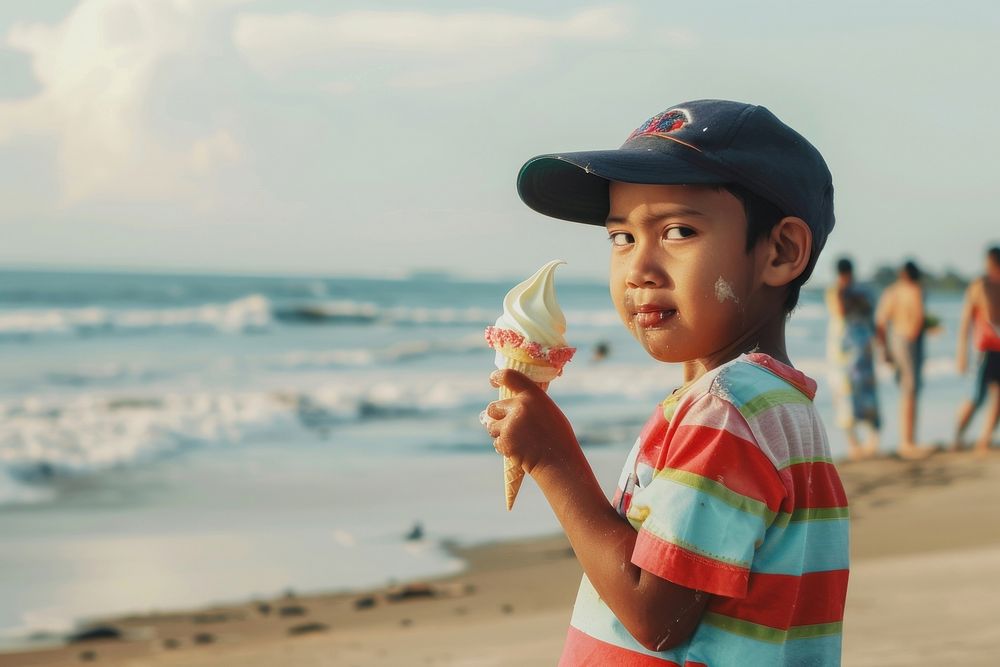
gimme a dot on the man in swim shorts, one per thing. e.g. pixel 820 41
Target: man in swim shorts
pixel 899 326
pixel 981 315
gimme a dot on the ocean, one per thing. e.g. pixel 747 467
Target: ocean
pixel 178 440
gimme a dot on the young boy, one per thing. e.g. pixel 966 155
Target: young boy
pixel 727 539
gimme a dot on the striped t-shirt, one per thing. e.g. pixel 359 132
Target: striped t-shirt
pixel 732 490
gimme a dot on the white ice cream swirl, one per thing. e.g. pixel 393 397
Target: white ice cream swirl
pixel 531 309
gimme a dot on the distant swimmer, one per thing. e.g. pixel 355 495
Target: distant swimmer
pixel 416 533
pixel 981 316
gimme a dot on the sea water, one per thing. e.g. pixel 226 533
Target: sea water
pixel 177 440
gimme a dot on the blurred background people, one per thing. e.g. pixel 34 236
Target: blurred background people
pixel 899 326
pixel 981 316
pixel 850 344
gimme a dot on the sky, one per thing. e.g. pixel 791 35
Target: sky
pixel 380 138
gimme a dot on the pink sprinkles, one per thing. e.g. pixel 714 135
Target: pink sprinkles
pixel 556 356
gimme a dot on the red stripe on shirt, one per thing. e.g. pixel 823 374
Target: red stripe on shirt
pixel 720 456
pixel 783 601
pixel 686 568
pixel 582 650
pixel 814 484
pixel 792 376
pixel 654 430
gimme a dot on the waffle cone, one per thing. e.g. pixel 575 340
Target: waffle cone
pixel 513 474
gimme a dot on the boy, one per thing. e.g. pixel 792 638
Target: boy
pixel 981 313
pixel 726 541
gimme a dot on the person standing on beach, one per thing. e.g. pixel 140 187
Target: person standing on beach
pixel 981 315
pixel 726 542
pixel 899 329
pixel 850 345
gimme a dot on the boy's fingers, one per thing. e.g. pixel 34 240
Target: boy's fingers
pixel 493 429
pixel 496 410
pixel 513 380
pixel 502 445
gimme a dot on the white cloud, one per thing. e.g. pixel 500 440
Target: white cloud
pixel 415 48
pixel 96 70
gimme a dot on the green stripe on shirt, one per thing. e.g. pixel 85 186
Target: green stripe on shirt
pixel 768 634
pixel 720 491
pixel 771 399
pixel 820 514
pixel 803 459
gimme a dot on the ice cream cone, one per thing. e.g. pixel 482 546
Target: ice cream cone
pixel 513 474
pixel 529 337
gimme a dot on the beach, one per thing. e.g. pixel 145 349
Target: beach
pixel 256 253
pixel 925 568
pixel 226 470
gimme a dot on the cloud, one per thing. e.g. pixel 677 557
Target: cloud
pixel 415 49
pixel 96 70
pixel 159 101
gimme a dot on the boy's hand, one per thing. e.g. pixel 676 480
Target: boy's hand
pixel 528 427
pixel 532 430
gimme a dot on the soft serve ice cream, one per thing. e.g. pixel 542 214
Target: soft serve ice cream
pixel 530 337
pixel 532 328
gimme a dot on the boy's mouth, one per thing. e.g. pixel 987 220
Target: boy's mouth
pixel 651 316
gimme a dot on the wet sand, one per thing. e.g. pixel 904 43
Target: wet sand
pixel 925 571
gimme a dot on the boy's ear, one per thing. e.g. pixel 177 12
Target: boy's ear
pixel 788 248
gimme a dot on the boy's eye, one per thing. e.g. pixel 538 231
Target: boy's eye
pixel 620 238
pixel 677 233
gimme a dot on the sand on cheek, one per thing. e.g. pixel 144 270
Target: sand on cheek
pixel 724 291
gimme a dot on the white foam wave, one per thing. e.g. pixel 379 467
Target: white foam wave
pixel 248 313
pixel 103 373
pixel 253 312
pixel 421 315
pixel 44 435
pixel 396 353
pixel 362 312
pixel 593 318
pixel 13 492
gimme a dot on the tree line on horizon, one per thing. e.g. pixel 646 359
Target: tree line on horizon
pixel 948 280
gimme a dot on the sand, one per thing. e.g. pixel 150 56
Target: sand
pixel 925 572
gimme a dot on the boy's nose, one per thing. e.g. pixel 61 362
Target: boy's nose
pixel 646 270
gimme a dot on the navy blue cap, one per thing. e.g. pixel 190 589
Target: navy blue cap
pixel 702 142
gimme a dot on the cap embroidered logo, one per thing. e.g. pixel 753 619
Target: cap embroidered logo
pixel 663 123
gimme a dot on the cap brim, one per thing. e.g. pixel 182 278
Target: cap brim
pixel 574 186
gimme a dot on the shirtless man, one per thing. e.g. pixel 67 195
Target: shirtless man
pixel 899 329
pixel 981 315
